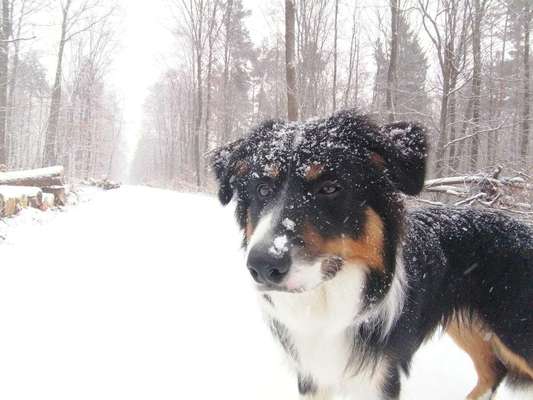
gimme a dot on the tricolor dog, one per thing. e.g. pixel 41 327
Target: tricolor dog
pixel 351 282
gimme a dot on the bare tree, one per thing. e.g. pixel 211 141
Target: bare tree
pixel 393 59
pixel 335 56
pixel 213 29
pixel 449 45
pixel 524 137
pixel 74 21
pixel 354 59
pixel 476 85
pixel 290 61
pixel 4 80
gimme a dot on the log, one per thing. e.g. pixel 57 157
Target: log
pixel 49 201
pixel 51 176
pixel 59 193
pixel 14 198
pixel 105 183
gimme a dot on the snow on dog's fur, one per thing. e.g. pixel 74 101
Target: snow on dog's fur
pixel 351 284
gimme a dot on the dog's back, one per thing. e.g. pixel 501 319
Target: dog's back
pixel 474 271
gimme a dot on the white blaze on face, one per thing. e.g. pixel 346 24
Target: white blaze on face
pixel 304 276
pixel 261 231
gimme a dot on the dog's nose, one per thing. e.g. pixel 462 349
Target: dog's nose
pixel 268 267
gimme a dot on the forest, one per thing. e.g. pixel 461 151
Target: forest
pixel 58 109
pixel 461 67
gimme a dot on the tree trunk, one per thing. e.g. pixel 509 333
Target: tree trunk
pixel 334 91
pixel 476 86
pixel 290 62
pixel 524 138
pixel 443 126
pixel 198 122
pixel 14 71
pixel 4 81
pixel 393 60
pixel 456 163
pixel 452 112
pixel 225 118
pixel 211 41
pixel 50 145
pixel 494 136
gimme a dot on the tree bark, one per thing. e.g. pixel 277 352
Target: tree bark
pixel 524 138
pixel 393 59
pixel 4 81
pixel 476 86
pixel 50 145
pixel 226 129
pixel 198 123
pixel 290 62
pixel 13 79
pixel 334 90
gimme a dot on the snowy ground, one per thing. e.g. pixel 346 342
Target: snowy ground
pixel 141 294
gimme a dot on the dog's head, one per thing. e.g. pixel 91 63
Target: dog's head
pixel 316 197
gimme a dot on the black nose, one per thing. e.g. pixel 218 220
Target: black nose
pixel 268 267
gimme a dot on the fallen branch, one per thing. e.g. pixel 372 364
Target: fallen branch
pixel 510 194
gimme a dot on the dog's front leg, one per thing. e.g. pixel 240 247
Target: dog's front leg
pixel 309 390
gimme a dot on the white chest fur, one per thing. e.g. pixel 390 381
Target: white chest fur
pixel 318 324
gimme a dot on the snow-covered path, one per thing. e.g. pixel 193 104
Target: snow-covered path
pixel 141 294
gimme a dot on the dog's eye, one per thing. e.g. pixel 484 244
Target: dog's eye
pixel 264 190
pixel 329 189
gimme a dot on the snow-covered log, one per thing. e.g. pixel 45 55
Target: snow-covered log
pixel 59 192
pixel 13 198
pixel 104 183
pixel 51 176
pixel 49 201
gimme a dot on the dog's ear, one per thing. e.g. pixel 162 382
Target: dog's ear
pixel 223 163
pixel 401 151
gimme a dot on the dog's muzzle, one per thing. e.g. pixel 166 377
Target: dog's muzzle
pixel 267 267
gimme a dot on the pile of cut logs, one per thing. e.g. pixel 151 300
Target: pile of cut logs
pixel 40 188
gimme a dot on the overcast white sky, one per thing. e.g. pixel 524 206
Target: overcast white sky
pixel 147 45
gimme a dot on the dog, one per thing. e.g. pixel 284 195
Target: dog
pixel 350 281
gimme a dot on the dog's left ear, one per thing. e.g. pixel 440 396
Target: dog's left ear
pixel 223 163
pixel 402 148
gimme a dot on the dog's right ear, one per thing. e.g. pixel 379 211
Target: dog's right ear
pixel 224 161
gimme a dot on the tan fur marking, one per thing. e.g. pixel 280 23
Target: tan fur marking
pixel 476 343
pixel 272 170
pixel 241 168
pixel 510 359
pixel 368 248
pixel 314 172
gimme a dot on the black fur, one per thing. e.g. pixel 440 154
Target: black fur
pixel 281 333
pixel 306 385
pixel 459 261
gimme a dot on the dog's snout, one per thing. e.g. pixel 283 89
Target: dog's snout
pixel 267 267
